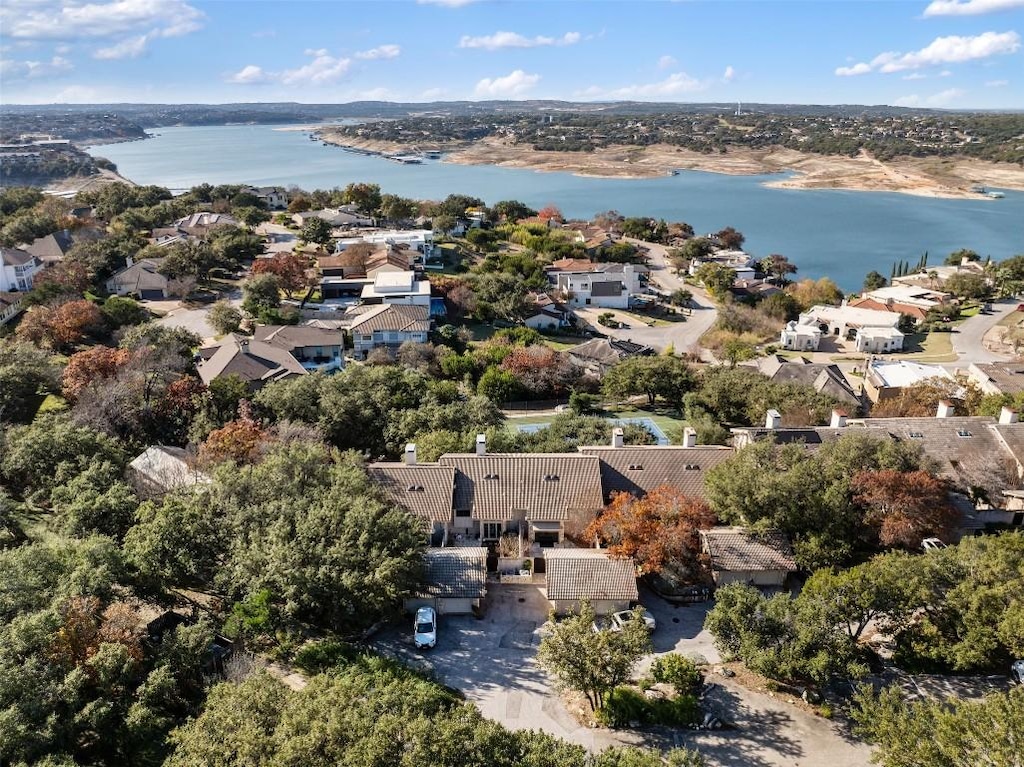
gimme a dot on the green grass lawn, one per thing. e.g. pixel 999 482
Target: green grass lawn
pixel 928 347
pixel 561 343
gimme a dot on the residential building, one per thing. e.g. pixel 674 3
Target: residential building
pixel 273 197
pixel 545 313
pixel 18 269
pixel 824 378
pixel 52 248
pixel 456 581
pixel 275 353
pixel 339 218
pixel 199 224
pixel 604 285
pixel 885 380
pixel 419 241
pixel 397 288
pixel 160 470
pixel 936 276
pixel 800 338
pixel 424 490
pixel 388 326
pixel 599 354
pixel 640 469
pixel 740 556
pixel 10 306
pixel 998 377
pixel 140 278
pixel 879 340
pixel 737 260
pixel 573 576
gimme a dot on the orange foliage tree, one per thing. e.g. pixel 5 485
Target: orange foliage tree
pixel 290 269
pixel 908 506
pixel 84 628
pixel 90 365
pixel 60 326
pixel 549 212
pixel 657 529
pixel 239 440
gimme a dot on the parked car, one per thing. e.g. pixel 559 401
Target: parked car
pixel 1017 671
pixel 620 619
pixel 425 628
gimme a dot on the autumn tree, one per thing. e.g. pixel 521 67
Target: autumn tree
pixel 908 506
pixel 61 326
pixel 239 441
pixel 658 529
pixel 90 365
pixel 730 238
pixel 550 213
pixel 810 293
pixel 290 269
pixel 922 400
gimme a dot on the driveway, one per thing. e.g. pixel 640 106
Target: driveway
pixel 493 662
pixel 194 319
pixel 967 338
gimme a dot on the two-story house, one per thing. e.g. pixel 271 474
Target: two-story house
pixel 17 270
pixel 585 283
pixel 275 353
pixel 388 326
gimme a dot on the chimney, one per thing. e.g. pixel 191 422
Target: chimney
pixel 689 437
pixel 410 454
pixel 838 419
pixel 773 419
pixel 481 444
pixel 618 439
pixel 1007 415
pixel 946 409
pixel 129 262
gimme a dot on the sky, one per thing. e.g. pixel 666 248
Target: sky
pixel 926 53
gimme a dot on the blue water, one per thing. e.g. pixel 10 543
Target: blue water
pixel 839 234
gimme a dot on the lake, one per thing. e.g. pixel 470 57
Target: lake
pixel 835 233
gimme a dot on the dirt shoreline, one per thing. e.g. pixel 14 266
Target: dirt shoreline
pixel 942 177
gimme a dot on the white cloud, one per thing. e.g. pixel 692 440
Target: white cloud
pixel 515 83
pixel 446 3
pixel 729 74
pixel 673 85
pixel 915 76
pixel 969 7
pixel 856 69
pixel 131 48
pixel 323 69
pixel 433 94
pixel 380 52
pixel 945 73
pixel 501 40
pixel 18 70
pixel 997 83
pixel 953 49
pixel 667 62
pixel 130 25
pixel 940 99
pixel 248 75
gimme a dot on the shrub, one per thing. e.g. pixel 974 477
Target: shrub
pixel 674 712
pixel 678 671
pixel 624 706
pixel 317 657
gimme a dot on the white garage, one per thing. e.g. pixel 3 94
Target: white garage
pixel 456 581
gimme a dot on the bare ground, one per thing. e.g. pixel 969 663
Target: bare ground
pixel 928 177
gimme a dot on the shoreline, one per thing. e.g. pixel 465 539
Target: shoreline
pixel 936 177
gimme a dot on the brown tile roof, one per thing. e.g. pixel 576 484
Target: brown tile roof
pixel 255 362
pixel 573 265
pixel 1008 377
pixel 639 470
pixel 424 490
pixel 15 256
pixel 588 574
pixel 916 312
pixel 733 549
pixel 607 350
pixel 456 573
pixel 393 317
pixel 544 485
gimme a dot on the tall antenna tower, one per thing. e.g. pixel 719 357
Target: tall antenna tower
pixel 738 112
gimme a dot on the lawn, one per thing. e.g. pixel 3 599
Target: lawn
pixel 928 347
pixel 667 419
pixel 561 343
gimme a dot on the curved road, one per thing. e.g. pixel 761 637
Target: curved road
pixel 967 337
pixel 682 336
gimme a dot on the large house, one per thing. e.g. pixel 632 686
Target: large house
pixel 742 556
pixel 585 283
pixel 874 332
pixel 388 326
pixel 18 268
pixel 998 377
pixel 392 287
pixel 275 353
pixel 273 197
pixel 420 242
pixel 824 378
pixel 52 248
pixel 885 380
pixel 341 217
pixel 199 224
pixel 140 278
pixel 596 356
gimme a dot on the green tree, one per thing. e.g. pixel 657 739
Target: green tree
pixel 592 662
pixel 224 318
pixel 668 378
pixel 316 230
pixel 364 196
pixel 443 223
pixel 957 257
pixel 716 278
pixel 967 285
pixel 25 373
pixel 498 385
pixel 873 281
pixel 261 293
pixel 96 502
pixel 512 210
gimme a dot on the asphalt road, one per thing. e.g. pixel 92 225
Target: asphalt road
pixel 967 337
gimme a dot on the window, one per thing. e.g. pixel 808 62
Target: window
pixel 492 530
pixel 963 433
pixel 462 512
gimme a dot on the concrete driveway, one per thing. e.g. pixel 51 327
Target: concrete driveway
pixel 194 318
pixel 493 662
pixel 967 338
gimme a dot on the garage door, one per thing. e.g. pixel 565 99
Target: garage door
pixel 153 295
pixel 455 606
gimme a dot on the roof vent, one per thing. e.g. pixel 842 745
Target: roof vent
pixel 693 467
pixel 963 433
pixel 916 435
pixel 636 467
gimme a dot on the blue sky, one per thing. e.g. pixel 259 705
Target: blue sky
pixel 937 53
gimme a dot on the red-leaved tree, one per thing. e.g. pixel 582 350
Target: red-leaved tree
pixel 91 365
pixel 907 506
pixel 655 530
pixel 290 269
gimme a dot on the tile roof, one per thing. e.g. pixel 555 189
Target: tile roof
pixel 588 574
pixel 425 490
pixel 393 317
pixel 546 486
pixel 167 467
pixel 1007 377
pixel 290 337
pixel 823 377
pixel 607 351
pixel 15 256
pixel 255 362
pixel 733 549
pixel 639 470
pixel 456 573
